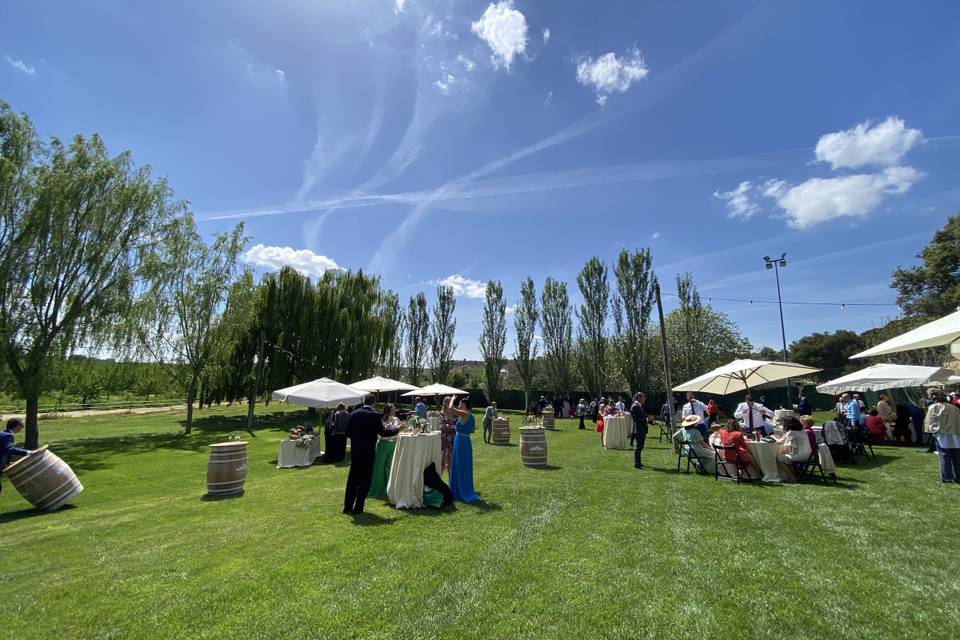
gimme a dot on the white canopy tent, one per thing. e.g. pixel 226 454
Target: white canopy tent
pixel 940 332
pixel 436 390
pixel 320 393
pixel 379 384
pixel 742 375
pixel 886 376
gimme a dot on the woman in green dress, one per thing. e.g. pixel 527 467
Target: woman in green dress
pixel 689 436
pixel 384 457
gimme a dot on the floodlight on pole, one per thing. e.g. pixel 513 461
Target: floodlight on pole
pixel 775 264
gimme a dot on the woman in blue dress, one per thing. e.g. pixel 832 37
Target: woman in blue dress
pixel 461 464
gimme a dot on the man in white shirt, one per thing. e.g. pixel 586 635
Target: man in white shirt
pixel 621 407
pixel 694 407
pixel 753 416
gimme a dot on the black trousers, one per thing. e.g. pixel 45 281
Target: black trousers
pixel 359 479
pixel 335 447
pixel 581 423
pixel 640 435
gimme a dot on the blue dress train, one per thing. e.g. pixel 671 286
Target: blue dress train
pixel 461 464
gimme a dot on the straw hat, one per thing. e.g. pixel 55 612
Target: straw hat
pixel 690 421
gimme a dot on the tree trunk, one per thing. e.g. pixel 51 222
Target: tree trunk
pixel 32 435
pixel 191 397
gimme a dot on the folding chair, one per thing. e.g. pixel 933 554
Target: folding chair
pixel 664 432
pixel 739 466
pixel 859 443
pixel 813 462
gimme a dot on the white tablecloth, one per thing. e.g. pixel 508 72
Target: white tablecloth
pixel 413 454
pixel 616 432
pixel 293 456
pixel 764 457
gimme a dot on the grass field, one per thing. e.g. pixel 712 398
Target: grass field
pixel 588 547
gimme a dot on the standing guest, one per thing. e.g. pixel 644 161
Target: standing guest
pixel 666 412
pixel 461 466
pixel 335 435
pixel 803 406
pixel 601 414
pixel 876 429
pixel 694 407
pixel 887 414
pixel 420 409
pixel 541 404
pixel 621 405
pixel 363 427
pixel 384 453
pixel 7 448
pixel 841 407
pixel 557 407
pixel 854 412
pixel 488 417
pixel 638 432
pixel 943 423
pixel 916 417
pixel 713 411
pixel 582 411
pixel 753 416
pixel 689 436
pixel 863 405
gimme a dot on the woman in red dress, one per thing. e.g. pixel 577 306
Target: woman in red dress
pixel 875 427
pixel 602 411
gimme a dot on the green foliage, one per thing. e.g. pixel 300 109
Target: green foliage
pixel 592 330
pixel 828 351
pixel 933 357
pixel 556 327
pixel 393 365
pixel 525 328
pixel 442 331
pixel 77 230
pixel 932 289
pixel 632 306
pixel 493 340
pixel 715 341
pixel 418 333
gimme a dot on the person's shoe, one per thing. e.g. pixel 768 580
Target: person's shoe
pixel 347 511
pixel 358 512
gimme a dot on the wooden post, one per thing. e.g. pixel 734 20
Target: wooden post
pixel 666 356
pixel 252 403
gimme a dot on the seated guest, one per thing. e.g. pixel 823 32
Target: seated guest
pixel 794 444
pixel 730 434
pixel 807 422
pixel 689 436
pixel 875 427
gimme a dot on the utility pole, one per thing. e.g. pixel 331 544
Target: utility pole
pixel 666 355
pixel 775 264
pixel 258 369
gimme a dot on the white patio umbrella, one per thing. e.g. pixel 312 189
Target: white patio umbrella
pixel 940 332
pixel 742 375
pixel 886 376
pixel 436 390
pixel 321 393
pixel 379 384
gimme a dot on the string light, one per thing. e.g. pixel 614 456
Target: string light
pixel 843 306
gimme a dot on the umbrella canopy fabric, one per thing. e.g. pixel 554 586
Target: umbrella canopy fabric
pixel 323 393
pixel 436 390
pixel 946 330
pixel 886 376
pixel 379 384
pixel 741 375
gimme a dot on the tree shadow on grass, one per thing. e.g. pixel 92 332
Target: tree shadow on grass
pixel 367 519
pixel 546 467
pixel 220 498
pixel 32 512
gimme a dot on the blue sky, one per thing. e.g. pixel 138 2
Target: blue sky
pixel 459 141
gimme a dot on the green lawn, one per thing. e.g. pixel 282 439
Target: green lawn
pixel 587 548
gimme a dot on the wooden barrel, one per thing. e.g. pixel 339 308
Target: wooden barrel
pixel 533 447
pixel 227 468
pixel 501 431
pixel 46 481
pixel 547 416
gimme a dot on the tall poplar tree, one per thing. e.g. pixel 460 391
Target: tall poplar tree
pixel 442 332
pixel 556 327
pixel 493 340
pixel 525 326
pixel 633 304
pixel 592 330
pixel 418 335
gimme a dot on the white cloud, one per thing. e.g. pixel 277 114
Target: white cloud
pixel 510 309
pixel 303 260
pixel 468 64
pixel 504 29
pixel 883 144
pixel 656 235
pixel 549 98
pixel 434 28
pixel 446 83
pixel 546 36
pixel 739 203
pixel 398 5
pixel 464 286
pixel 281 75
pixel 611 74
pixel 822 199
pixel 22 66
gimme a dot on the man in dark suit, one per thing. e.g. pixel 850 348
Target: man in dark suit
pixel 638 432
pixel 363 427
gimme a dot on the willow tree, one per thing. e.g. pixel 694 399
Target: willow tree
pixel 418 333
pixel 76 228
pixel 633 304
pixel 190 298
pixel 592 328
pixel 556 326
pixel 525 327
pixel 493 339
pixel 442 331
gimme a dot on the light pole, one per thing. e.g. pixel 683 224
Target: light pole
pixel 775 264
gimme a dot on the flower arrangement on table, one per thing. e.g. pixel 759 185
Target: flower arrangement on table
pixel 416 425
pixel 301 439
pixel 532 421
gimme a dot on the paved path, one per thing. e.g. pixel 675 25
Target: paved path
pixel 83 413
